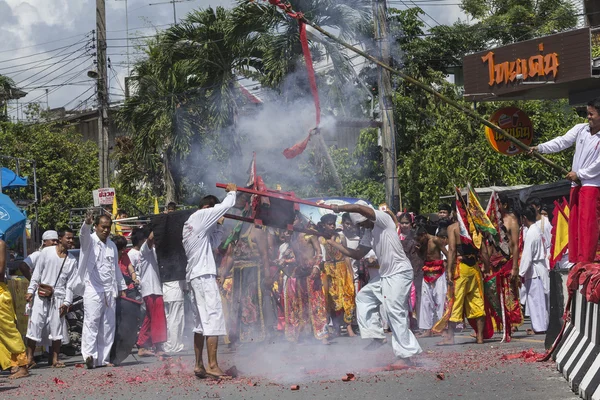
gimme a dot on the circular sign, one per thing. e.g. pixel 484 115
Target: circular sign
pixel 516 123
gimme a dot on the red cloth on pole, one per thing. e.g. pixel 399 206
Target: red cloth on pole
pixel 154 327
pixel 296 149
pixel 584 218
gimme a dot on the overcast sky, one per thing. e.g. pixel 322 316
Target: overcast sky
pixel 45 43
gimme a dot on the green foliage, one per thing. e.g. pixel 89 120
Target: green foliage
pixel 67 167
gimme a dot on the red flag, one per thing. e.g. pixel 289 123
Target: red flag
pixel 296 149
pixel 461 217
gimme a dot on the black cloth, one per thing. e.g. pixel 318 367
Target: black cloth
pixel 170 254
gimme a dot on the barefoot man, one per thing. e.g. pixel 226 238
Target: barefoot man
pixel 433 290
pixel 391 289
pixel 201 232
pixel 467 287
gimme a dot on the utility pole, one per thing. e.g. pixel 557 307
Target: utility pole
pixel 388 129
pixel 102 93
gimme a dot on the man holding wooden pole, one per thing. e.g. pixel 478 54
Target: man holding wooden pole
pixel 585 175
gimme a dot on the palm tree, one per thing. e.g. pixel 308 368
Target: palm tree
pixel 160 116
pixel 7 87
pixel 278 34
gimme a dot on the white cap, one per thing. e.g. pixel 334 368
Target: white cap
pixel 356 217
pixel 50 235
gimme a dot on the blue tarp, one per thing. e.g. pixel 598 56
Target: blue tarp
pixel 315 213
pixel 12 220
pixel 11 180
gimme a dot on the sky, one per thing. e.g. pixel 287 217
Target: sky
pixel 45 45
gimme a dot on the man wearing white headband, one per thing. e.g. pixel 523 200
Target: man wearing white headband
pixel 391 289
pixel 49 238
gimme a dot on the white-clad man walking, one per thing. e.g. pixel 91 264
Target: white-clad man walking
pixel 201 233
pixel 100 282
pixel 55 268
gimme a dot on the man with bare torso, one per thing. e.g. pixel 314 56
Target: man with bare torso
pixel 466 287
pixel 433 290
pixel 304 288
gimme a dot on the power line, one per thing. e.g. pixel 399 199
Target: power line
pixel 84 92
pixel 4 72
pixel 50 73
pixel 40 44
pixel 37 54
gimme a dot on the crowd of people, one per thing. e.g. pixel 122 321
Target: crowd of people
pixel 367 273
pixel 374 273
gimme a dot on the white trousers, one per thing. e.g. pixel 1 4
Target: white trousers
pixel 206 304
pixel 98 326
pixel 45 321
pixel 433 296
pixel 175 325
pixel 392 294
pixel 538 304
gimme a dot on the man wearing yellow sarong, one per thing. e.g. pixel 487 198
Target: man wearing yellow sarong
pixel 10 338
pixel 466 282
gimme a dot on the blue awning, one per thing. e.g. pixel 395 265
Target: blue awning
pixel 11 180
pixel 12 220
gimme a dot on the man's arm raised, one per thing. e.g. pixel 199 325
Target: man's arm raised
pixel 355 208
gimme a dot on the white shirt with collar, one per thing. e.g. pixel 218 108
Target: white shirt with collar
pixel 586 161
pixel 200 233
pixel 98 265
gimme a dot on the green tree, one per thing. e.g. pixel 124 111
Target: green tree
pixel 66 167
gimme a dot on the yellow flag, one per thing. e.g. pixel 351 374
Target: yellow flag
pixel 115 208
pixel 156 210
pixel 560 232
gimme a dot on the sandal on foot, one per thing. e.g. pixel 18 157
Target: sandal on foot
pixel 58 364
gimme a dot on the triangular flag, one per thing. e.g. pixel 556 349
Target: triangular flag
pixel 461 217
pixel 156 209
pixel 493 212
pixel 560 232
pixel 115 208
pixel 116 228
pixel 481 222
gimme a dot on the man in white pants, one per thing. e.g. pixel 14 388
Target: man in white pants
pixel 202 232
pixel 174 297
pixel 391 289
pixel 100 281
pixel 535 272
pixel 57 268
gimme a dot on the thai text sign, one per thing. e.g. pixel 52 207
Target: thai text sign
pixel 521 69
pixel 103 196
pixel 538 68
pixel 516 123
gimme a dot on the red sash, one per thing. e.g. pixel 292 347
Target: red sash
pixel 432 270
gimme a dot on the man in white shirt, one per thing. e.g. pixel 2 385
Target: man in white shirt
pixel 201 232
pixel 391 289
pixel 49 238
pixel 535 273
pixel 99 281
pixel 56 268
pixel 585 197
pixel 153 332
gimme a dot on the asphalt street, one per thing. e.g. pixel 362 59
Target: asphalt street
pixel 268 371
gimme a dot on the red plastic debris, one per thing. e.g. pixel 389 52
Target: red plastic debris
pixel 79 365
pixel 349 377
pixel 527 355
pixel 295 387
pixel 58 381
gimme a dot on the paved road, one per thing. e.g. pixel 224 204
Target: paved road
pixel 267 371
